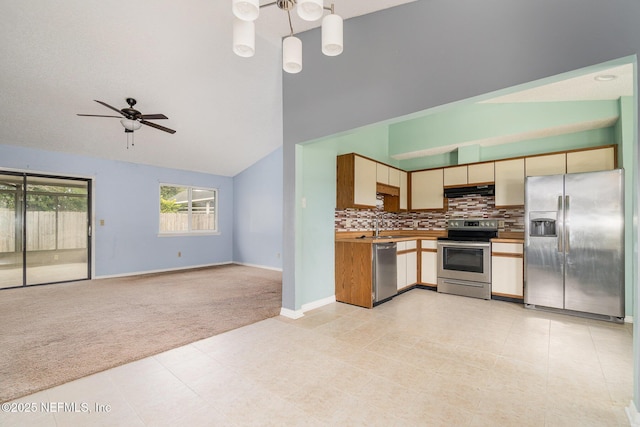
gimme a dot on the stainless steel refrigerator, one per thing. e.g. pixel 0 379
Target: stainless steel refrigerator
pixel 574 243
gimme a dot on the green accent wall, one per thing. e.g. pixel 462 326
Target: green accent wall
pixel 475 122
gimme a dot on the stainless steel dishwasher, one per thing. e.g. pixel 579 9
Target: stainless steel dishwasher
pixel 385 276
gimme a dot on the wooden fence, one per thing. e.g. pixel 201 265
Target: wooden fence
pixel 180 221
pixel 44 232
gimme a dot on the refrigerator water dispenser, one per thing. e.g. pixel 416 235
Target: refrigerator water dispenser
pixel 542 227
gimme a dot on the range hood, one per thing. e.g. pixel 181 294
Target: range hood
pixel 479 190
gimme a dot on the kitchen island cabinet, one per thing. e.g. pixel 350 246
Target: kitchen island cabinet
pixel 507 269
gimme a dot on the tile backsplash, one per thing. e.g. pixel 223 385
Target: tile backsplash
pixel 463 207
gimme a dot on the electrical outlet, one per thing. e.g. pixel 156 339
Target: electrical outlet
pixel 415 223
pixel 500 224
pixel 102 222
pixel 348 223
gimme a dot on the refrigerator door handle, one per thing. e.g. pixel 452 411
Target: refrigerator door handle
pixel 566 225
pixel 560 222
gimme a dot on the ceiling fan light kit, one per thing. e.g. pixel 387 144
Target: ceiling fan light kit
pixel 133 119
pixel 247 11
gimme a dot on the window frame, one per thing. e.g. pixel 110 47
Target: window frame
pixel 189 231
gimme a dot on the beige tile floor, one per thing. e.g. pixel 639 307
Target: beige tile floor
pixel 421 359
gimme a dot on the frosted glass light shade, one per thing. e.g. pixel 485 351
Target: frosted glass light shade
pixel 244 38
pixel 292 55
pixel 310 10
pixel 332 43
pixel 247 10
pixel 131 125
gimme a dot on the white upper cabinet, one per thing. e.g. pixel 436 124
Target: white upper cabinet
pixel 456 175
pixel 427 189
pixel 480 173
pixel 552 164
pixel 509 179
pixel 404 205
pixel 382 173
pixel 600 159
pixel 364 181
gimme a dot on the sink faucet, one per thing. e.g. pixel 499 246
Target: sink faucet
pixel 377 222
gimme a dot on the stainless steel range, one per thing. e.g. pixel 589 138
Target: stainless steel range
pixel 464 257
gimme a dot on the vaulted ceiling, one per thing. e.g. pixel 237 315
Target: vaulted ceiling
pixel 173 57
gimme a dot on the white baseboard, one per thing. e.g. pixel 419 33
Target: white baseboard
pixel 291 314
pixel 164 270
pixel 633 415
pixel 628 319
pixel 296 314
pixel 266 267
pixel 317 304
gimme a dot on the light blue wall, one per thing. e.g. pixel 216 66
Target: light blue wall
pixel 257 236
pixel 126 197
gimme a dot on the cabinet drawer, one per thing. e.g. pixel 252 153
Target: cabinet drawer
pixel 429 244
pixel 507 248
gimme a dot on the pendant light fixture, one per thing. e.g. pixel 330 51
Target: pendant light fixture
pixel 247 11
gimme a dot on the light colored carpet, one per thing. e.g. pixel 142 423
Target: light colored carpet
pixel 53 334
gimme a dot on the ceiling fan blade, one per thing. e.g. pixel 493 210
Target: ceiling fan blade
pixel 153 125
pixel 98 115
pixel 153 116
pixel 109 106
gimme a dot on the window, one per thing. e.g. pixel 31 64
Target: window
pixel 188 209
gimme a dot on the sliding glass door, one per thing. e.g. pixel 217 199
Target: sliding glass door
pixel 44 229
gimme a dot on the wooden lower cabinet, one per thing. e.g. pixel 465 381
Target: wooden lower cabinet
pixel 429 262
pixel 354 273
pixel 507 270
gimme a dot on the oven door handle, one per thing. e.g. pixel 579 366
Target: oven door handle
pixel 466 244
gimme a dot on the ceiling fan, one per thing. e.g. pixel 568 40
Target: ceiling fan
pixel 133 118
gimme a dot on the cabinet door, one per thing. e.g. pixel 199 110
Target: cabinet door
pixel 382 173
pixel 507 270
pixel 394 177
pixel 591 160
pixel 412 268
pixel 403 191
pixel 364 182
pixel 429 268
pixel 552 164
pixel 455 176
pixel 480 173
pixel 402 271
pixel 509 182
pixel 427 191
pixel 429 262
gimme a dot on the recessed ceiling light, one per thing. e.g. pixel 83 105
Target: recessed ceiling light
pixel 605 77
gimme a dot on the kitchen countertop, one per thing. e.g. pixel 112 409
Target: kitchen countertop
pixel 406 235
pixel 396 236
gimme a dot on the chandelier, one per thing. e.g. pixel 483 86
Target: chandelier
pixel 244 33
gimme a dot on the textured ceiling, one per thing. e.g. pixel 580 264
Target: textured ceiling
pixel 174 57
